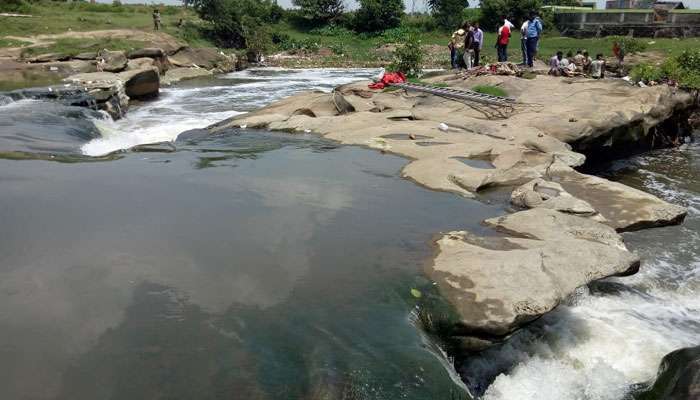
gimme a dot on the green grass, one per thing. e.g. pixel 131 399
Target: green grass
pixel 71 47
pixel 4 42
pixel 489 89
pixel 53 17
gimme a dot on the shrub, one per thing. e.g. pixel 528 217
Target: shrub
pixel 18 6
pixel 419 22
pixel 232 20
pixel 646 73
pixel 332 31
pixel 320 11
pixel 448 13
pixel 398 35
pixel 628 44
pixel 408 57
pixel 378 15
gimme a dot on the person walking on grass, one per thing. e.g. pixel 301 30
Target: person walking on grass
pixel 502 40
pixel 156 20
pixel 478 42
pixel 456 45
pixel 534 30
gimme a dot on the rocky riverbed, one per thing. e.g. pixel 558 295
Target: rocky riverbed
pixel 564 232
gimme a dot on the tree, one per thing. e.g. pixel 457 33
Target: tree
pixel 378 15
pixel 516 10
pixel 320 11
pixel 233 21
pixel 448 13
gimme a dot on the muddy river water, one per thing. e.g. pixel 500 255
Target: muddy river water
pixel 257 265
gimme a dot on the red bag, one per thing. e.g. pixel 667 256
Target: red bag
pixel 388 78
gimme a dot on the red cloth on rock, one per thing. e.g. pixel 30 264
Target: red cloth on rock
pixel 388 78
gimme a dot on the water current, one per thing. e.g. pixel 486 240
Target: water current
pixel 257 265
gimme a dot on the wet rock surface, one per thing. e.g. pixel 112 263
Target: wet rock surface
pixel 569 237
pixel 678 378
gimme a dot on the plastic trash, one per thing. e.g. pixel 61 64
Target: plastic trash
pixel 443 127
pixel 244 126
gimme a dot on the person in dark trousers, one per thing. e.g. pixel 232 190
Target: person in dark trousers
pixel 534 30
pixel 156 20
pixel 523 40
pixel 478 42
pixel 502 41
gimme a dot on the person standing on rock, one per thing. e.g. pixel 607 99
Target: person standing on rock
pixel 534 30
pixel 478 42
pixel 523 40
pixel 156 20
pixel 502 41
pixel 456 45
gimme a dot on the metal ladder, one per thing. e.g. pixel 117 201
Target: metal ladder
pixel 459 94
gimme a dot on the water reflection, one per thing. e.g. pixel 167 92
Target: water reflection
pixel 285 277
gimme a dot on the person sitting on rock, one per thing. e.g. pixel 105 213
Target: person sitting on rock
pixel 555 64
pixel 156 20
pixel 587 60
pixel 598 67
pixel 578 60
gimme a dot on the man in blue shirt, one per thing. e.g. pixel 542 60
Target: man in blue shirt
pixel 534 30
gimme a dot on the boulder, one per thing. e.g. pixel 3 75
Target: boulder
pixel 106 88
pixel 178 74
pixel 545 224
pixel 499 284
pixel 140 63
pixel 624 208
pixel 111 61
pixel 678 378
pixel 148 52
pixel 91 55
pixel 209 58
pixel 141 83
pixel 551 195
pixel 48 57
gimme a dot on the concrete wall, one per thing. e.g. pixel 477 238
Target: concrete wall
pixel 624 22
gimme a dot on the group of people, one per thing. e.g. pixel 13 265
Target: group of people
pixel 468 41
pixel 465 46
pixel 579 64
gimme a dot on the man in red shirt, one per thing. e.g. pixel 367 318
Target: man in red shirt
pixel 502 40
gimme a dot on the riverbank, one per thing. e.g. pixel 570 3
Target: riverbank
pixel 567 234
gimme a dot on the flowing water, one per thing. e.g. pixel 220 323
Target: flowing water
pixel 245 265
pixel 614 333
pixel 257 265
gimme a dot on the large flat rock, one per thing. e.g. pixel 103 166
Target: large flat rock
pixel 497 285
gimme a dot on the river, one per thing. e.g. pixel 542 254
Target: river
pixel 261 265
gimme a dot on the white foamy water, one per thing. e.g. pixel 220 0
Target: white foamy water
pixel 605 341
pixel 186 106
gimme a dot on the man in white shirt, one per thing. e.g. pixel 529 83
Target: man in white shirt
pixel 523 40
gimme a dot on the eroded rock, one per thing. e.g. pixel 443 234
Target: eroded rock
pixel 111 61
pixel 497 289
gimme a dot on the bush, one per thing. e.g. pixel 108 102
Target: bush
pixel 646 73
pixel 419 22
pixel 17 6
pixel 408 57
pixel 320 11
pixel 398 35
pixel 448 13
pixel 628 44
pixel 378 15
pixel 232 21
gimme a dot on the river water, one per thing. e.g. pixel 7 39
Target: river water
pixel 255 265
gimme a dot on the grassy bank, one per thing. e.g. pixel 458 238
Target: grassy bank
pixel 52 17
pixel 324 46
